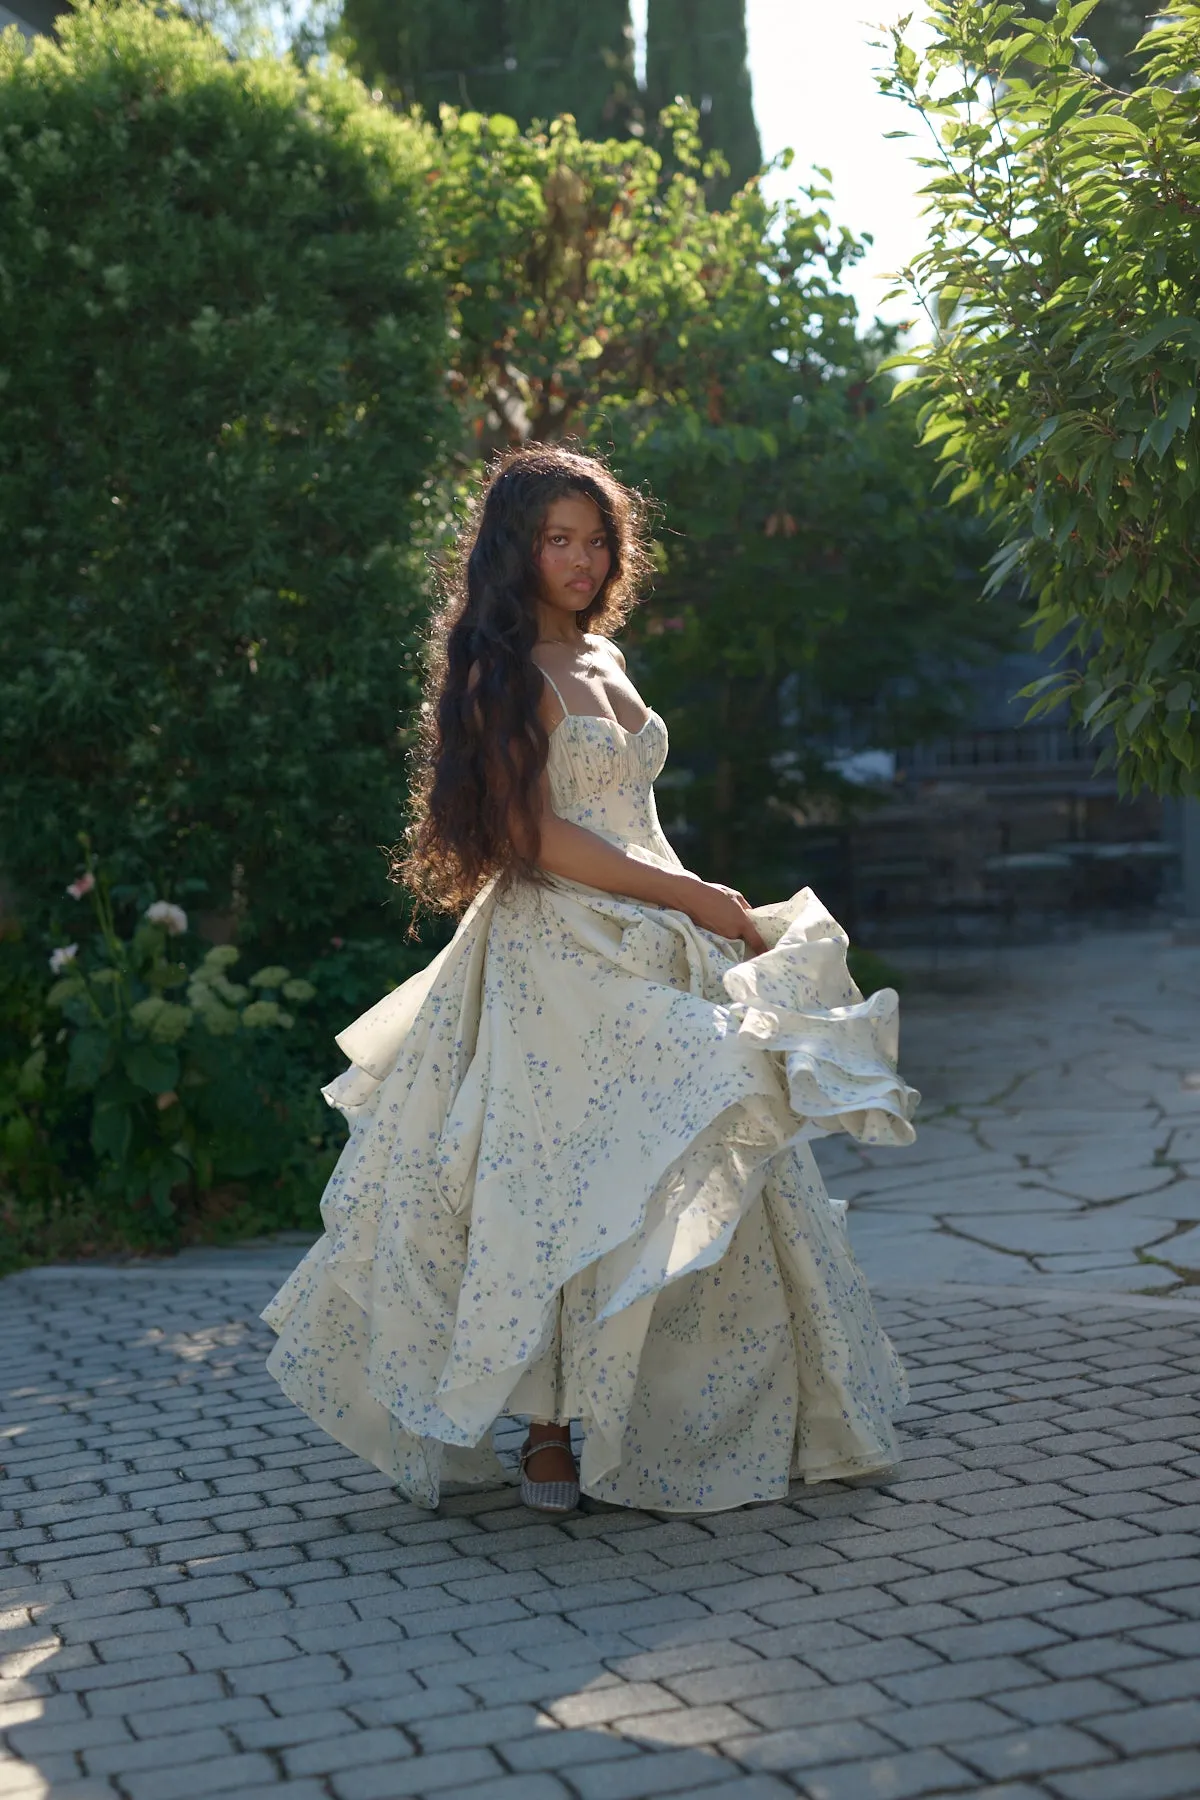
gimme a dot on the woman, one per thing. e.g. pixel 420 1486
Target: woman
pixel 577 1186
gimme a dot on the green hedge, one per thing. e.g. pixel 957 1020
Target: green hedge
pixel 221 351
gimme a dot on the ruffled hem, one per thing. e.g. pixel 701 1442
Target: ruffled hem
pixel 405 1332
pixel 839 1050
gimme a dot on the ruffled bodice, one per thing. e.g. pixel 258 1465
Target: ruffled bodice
pixel 602 776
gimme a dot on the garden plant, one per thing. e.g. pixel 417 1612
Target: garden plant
pixel 1060 388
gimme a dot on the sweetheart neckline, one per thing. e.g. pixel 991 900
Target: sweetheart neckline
pixel 603 719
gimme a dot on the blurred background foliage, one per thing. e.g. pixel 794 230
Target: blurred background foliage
pixel 1114 29
pixel 280 325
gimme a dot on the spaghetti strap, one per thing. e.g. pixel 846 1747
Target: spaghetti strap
pixel 546 676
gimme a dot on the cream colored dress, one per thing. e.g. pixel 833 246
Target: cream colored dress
pixel 578 1185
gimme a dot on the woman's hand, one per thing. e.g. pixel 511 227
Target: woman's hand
pixel 722 910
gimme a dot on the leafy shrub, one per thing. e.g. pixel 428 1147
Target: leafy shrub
pixel 221 345
pixel 1061 389
pixel 160 1051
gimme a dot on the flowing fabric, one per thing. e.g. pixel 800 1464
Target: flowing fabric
pixel 578 1185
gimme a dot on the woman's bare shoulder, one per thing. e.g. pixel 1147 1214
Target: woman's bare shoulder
pixel 598 642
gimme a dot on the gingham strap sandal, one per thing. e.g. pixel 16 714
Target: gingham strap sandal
pixel 546 1496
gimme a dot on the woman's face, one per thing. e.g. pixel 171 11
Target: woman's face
pixel 572 556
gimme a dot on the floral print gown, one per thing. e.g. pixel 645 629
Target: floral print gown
pixel 578 1186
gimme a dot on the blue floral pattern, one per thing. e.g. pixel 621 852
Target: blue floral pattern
pixel 578 1185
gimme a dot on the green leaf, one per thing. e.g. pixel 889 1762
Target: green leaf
pixel 1179 414
pixel 1033 440
pixel 112 1130
pixel 1158 334
pixel 164 1174
pixel 88 1058
pixel 1161 651
pixel 1039 686
pixel 1068 108
pixel 1003 564
pixel 153 1067
pixel 1094 705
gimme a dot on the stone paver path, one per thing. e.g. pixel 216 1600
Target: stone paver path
pixel 203 1595
pixel 1059 1135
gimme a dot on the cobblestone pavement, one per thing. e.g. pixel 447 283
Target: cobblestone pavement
pixel 203 1595
pixel 1059 1136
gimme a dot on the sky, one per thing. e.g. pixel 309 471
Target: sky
pixel 812 68
pixel 811 65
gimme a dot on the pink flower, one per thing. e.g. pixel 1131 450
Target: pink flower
pixel 83 886
pixel 337 942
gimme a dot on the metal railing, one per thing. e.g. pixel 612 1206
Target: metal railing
pixel 1024 747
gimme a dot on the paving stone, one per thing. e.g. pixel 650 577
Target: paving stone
pixel 688 1725
pixel 1094 1656
pixel 1152 1728
pixel 272 1733
pixel 1000 1637
pixel 1161 1680
pixel 151 1695
pixel 1169 1777
pixel 1036 1751
pixel 164 1721
pixel 517 1787
pixel 751 1787
pixel 684 1659
pixel 810 1746
pixel 649 1776
pixel 741 1680
pixel 622 1700
pixel 1053 1702
pixel 451 1769
pixel 907 1775
pixel 1098 1620
pixel 490 1725
pixel 196 1781
pixel 866 1662
pixel 549 1749
pixel 351 1748
pixel 945 1722
pixel 818 1705
pixel 939 1681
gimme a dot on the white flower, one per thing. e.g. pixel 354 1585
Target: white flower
pixel 66 953
pixel 173 918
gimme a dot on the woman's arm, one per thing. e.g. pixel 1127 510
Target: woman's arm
pixel 581 855
pixel 578 854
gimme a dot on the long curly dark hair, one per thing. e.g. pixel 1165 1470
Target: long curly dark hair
pixel 480 753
